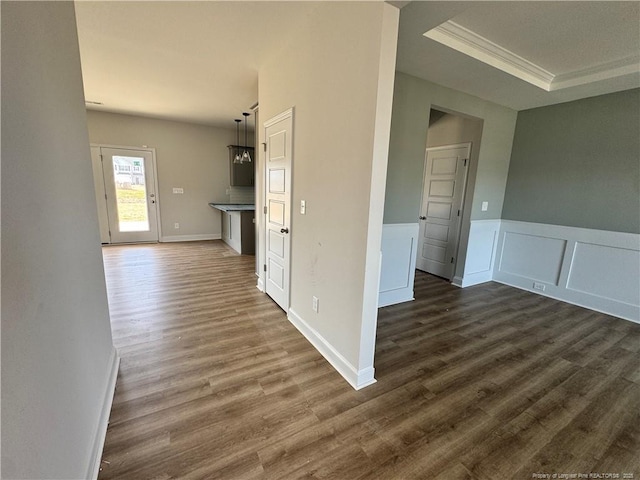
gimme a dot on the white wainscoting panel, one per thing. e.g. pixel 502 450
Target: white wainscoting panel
pixel 481 253
pixel 399 243
pixel 603 271
pixel 595 269
pixel 542 261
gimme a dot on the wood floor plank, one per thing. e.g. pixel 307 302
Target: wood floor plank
pixel 486 382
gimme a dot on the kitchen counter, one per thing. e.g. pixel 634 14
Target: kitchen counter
pixel 234 207
pixel 238 228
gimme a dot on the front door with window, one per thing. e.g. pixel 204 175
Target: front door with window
pixel 129 187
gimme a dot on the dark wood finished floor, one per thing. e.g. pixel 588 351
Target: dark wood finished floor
pixel 488 382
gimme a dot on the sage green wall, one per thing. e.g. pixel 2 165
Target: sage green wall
pixel 413 98
pixel 578 164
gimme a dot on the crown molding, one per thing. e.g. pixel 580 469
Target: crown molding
pixel 476 46
pixel 604 71
pixel 470 43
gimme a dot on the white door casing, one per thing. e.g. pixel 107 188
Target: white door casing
pixel 101 194
pixel 445 177
pixel 137 186
pixel 278 159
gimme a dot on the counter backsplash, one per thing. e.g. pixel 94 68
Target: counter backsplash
pixel 242 195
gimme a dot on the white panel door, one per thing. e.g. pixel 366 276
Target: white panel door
pixel 443 192
pixel 129 181
pixel 279 142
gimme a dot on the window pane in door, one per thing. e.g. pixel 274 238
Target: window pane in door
pixel 131 194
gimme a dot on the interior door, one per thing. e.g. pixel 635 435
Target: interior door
pixel 279 142
pixel 130 195
pixel 442 196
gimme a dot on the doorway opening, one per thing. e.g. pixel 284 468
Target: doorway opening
pixel 453 143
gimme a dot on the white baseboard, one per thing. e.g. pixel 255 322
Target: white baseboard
pixel 260 284
pixel 357 379
pixel 595 269
pixel 394 297
pixel 190 238
pixel 472 279
pixel 103 422
pixel 476 279
pixel 398 265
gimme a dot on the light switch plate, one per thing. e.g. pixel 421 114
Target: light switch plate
pixel 303 207
pixel 178 190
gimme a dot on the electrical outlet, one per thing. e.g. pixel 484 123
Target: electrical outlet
pixel 176 225
pixel 178 190
pixel 314 304
pixel 538 286
pixel 228 191
pixel 485 206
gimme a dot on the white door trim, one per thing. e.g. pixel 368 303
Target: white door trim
pixel 152 150
pixel 278 118
pixel 445 147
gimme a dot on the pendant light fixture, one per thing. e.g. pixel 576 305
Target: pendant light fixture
pixel 237 158
pixel 246 157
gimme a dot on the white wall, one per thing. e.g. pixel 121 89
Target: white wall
pixel 191 156
pixel 58 360
pixel 337 72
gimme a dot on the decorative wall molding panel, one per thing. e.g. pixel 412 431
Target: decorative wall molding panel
pixel 481 253
pixel 399 243
pixel 595 269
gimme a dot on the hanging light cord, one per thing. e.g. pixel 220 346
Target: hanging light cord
pixel 246 157
pixel 237 158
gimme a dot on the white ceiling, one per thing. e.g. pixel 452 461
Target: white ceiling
pixel 567 39
pixel 192 61
pixel 199 61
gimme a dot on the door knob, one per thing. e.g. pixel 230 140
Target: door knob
pixel 422 218
pixel 284 230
